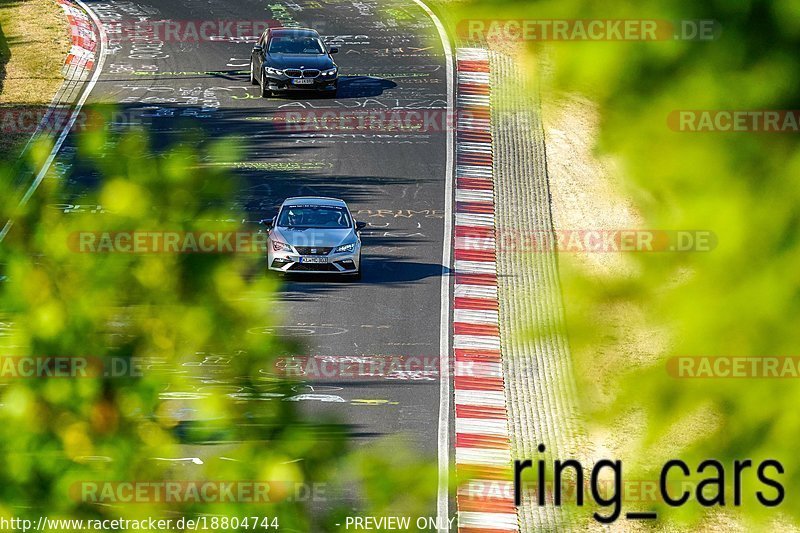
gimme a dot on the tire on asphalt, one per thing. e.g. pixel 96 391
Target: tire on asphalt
pixel 357 275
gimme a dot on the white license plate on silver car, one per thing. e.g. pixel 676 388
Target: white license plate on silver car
pixel 314 260
pixel 303 81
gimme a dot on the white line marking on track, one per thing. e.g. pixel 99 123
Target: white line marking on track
pixel 475 148
pixel 474 219
pixel 488 398
pixel 476 267
pixel 443 494
pixel 476 291
pixel 471 316
pixel 493 521
pixel 473 54
pixel 474 124
pixel 496 490
pixel 478 370
pixel 482 426
pixel 477 342
pixel 474 195
pixel 483 456
pixel 474 170
pixel 474 77
pixel 475 99
pixel 475 243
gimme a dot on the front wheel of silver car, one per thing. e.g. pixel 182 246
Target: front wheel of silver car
pixel 357 275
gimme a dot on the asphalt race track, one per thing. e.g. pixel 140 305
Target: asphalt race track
pixel 391 58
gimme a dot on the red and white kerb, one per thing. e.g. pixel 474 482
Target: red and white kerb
pixel 84 40
pixel 485 495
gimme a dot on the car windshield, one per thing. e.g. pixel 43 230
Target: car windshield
pixel 295 45
pixel 314 216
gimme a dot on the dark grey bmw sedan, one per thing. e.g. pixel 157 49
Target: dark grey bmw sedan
pixel 287 59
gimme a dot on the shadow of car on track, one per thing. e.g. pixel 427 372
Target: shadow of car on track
pixel 363 86
pixel 375 271
pixel 349 87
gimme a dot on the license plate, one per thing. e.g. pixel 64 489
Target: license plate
pixel 314 260
pixel 303 81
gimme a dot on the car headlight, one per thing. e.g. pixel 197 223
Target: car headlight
pixel 278 246
pixel 331 72
pixel 274 71
pixel 346 248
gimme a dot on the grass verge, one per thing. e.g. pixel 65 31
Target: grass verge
pixel 34 40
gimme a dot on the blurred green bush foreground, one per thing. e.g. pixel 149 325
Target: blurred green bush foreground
pixel 181 314
pixel 740 299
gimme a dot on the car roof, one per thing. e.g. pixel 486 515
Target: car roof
pixel 293 31
pixel 314 200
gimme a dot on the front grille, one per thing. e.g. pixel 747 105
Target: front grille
pixel 312 250
pixel 311 267
pixel 305 73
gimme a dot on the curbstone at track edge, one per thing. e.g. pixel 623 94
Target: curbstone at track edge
pixel 483 446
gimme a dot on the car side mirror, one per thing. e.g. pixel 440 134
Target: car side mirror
pixel 268 223
pixel 360 225
pixel 334 50
pixel 258 48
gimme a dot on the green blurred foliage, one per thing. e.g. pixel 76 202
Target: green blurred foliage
pixel 180 314
pixel 739 299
